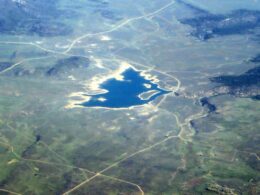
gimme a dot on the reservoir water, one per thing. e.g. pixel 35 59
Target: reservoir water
pixel 133 90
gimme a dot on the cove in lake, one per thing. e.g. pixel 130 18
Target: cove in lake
pixel 127 92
